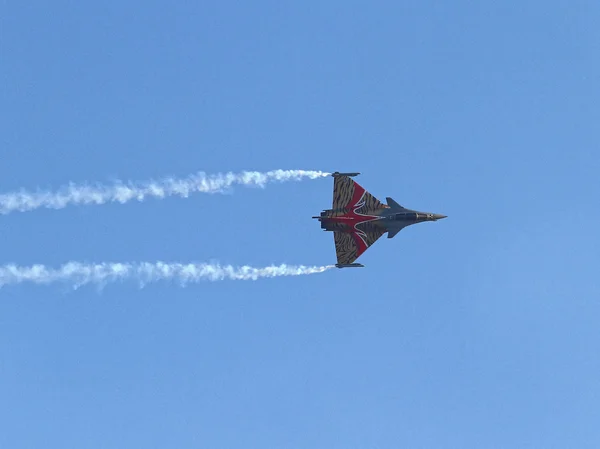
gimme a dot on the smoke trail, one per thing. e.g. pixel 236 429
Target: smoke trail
pixel 120 192
pixel 78 274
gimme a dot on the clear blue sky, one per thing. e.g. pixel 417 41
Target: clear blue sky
pixel 479 331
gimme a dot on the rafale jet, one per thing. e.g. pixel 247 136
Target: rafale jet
pixel 358 219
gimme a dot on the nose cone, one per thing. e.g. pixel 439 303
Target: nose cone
pixel 438 216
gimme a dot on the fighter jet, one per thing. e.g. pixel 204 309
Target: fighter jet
pixel 358 219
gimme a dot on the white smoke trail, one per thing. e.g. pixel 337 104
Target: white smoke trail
pixel 78 274
pixel 119 192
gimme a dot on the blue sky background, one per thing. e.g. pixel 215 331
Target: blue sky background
pixel 481 330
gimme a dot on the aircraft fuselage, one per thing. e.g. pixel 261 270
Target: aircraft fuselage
pixel 390 218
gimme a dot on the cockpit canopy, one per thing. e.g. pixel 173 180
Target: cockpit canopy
pixel 408 216
pixel 413 216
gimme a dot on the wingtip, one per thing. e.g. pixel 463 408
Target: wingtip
pixel 349 265
pixel 350 174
